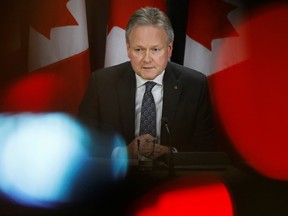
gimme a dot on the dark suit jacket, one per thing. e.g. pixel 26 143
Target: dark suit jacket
pixel 109 104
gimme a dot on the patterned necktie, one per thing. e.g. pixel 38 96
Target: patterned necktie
pixel 148 111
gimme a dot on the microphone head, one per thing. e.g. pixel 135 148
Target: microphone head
pixel 164 120
pixel 165 123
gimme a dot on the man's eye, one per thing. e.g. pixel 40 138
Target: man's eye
pixel 155 50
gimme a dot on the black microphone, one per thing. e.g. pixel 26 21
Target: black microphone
pixel 170 160
pixel 165 122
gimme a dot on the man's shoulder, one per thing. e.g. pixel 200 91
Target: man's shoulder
pixel 115 68
pixel 116 72
pixel 184 71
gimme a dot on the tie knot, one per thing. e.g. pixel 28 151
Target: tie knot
pixel 149 85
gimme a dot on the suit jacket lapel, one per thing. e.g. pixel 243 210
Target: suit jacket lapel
pixel 172 92
pixel 126 87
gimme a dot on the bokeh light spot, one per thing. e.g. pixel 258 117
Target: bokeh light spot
pixel 251 97
pixel 47 159
pixel 188 195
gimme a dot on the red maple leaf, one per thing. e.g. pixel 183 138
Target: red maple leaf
pixel 207 20
pixel 48 14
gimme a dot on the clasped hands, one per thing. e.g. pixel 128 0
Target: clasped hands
pixel 132 148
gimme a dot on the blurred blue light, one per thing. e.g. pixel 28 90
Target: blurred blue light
pixel 50 159
pixel 120 162
pixel 40 157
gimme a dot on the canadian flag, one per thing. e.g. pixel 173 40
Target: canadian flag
pixel 244 55
pixel 120 12
pixel 210 24
pixel 58 61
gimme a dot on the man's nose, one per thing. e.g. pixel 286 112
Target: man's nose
pixel 147 56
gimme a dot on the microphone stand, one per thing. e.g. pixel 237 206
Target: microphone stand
pixel 171 163
pixel 171 171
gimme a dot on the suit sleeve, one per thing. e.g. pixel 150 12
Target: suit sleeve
pixel 204 133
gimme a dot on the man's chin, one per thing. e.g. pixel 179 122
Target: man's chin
pixel 148 75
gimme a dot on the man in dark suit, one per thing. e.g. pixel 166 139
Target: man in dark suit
pixel 114 95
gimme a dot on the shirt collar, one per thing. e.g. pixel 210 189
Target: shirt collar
pixel 140 81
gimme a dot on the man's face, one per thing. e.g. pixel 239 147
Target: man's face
pixel 148 51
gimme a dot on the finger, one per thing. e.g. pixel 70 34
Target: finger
pixel 146 136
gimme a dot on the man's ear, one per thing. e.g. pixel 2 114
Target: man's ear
pixel 128 49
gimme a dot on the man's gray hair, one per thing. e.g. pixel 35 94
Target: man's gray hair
pixel 150 16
